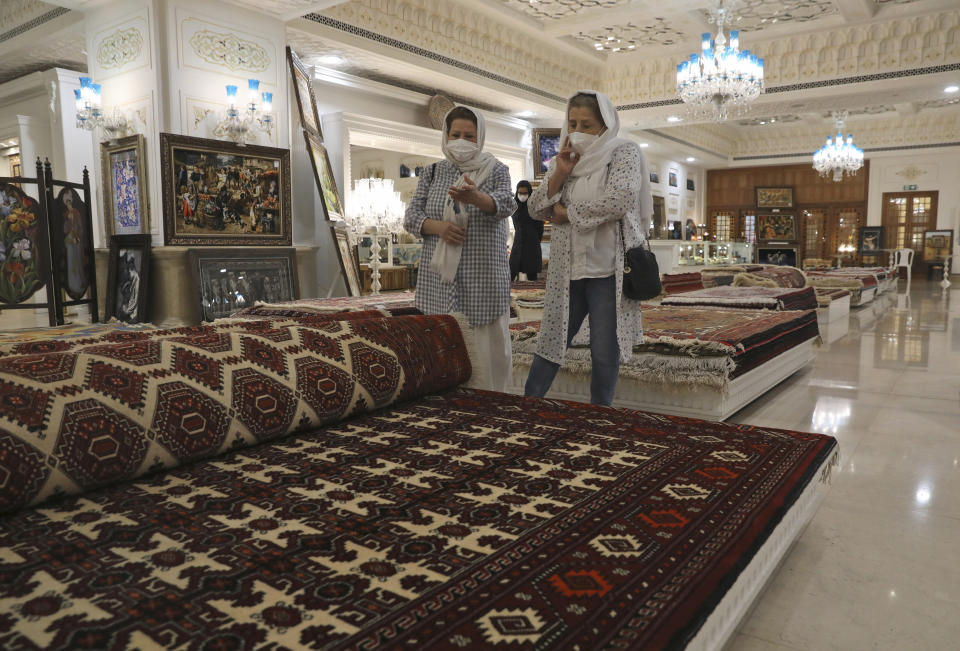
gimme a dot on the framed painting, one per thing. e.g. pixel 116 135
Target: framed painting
pixel 871 240
pixel 123 165
pixel 546 145
pixel 654 174
pixel 128 276
pixel 776 228
pixel 672 176
pixel 228 280
pixel 323 175
pixel 217 193
pixel 774 197
pixel 348 263
pixel 937 245
pixel 780 256
pixel 303 89
pixel 690 185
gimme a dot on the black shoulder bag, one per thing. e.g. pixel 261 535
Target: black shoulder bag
pixel 641 274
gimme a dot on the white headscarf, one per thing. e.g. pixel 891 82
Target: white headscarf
pixel 589 174
pixel 446 257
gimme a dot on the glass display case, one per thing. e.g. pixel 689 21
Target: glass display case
pixel 715 253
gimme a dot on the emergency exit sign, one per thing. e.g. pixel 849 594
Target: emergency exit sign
pixel 909 188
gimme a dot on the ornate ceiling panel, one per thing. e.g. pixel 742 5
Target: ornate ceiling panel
pixel 17 16
pixel 754 15
pixel 774 119
pixel 628 37
pixel 58 53
pixel 556 9
pixel 895 2
pixel 937 103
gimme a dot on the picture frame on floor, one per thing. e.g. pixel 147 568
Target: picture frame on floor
pixel 349 266
pixel 546 145
pixel 323 175
pixel 937 245
pixel 123 165
pixel 227 280
pixel 128 277
pixel 870 240
pixel 218 193
pixel 778 197
pixel 303 89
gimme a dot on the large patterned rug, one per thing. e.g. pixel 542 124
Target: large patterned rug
pixel 463 520
pixel 756 298
pixel 691 345
pixel 89 413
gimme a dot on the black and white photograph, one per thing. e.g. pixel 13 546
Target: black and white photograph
pixel 227 281
pixel 127 278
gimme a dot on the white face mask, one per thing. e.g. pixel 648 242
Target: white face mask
pixel 462 150
pixel 522 197
pixel 580 142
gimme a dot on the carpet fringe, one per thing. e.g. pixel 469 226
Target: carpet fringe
pixel 826 474
pixel 752 280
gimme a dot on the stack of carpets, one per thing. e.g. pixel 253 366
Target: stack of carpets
pixel 677 283
pixel 755 298
pixel 826 295
pixel 395 304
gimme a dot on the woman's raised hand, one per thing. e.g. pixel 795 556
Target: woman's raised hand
pixel 466 193
pixel 566 158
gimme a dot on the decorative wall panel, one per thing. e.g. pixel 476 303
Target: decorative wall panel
pixel 122 47
pixel 219 47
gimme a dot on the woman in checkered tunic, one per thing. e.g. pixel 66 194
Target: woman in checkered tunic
pixel 460 209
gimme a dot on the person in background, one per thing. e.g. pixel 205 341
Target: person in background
pixel 525 254
pixel 597 195
pixel 460 209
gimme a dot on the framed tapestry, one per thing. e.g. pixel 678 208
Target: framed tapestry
pixel 123 165
pixel 780 256
pixel 546 145
pixel 303 88
pixel 323 175
pixel 128 276
pixel 219 193
pixel 654 174
pixel 774 197
pixel 228 280
pixel 672 178
pixel 776 228
pixel 690 185
pixel 871 240
pixel 937 245
pixel 348 263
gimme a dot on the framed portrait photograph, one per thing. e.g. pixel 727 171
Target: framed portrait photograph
pixel 774 197
pixel 123 165
pixel 937 245
pixel 546 145
pixel 349 266
pixel 228 280
pixel 323 175
pixel 128 275
pixel 672 178
pixel 217 193
pixel 776 228
pixel 871 240
pixel 303 89
pixel 690 185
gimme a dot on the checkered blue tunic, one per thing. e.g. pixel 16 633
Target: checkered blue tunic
pixel 481 289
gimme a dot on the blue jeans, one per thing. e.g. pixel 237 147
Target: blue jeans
pixel 596 297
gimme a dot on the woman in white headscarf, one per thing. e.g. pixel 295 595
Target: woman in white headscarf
pixel 460 209
pixel 597 195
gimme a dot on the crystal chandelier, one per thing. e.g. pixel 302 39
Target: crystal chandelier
pixel 90 114
pixel 375 208
pixel 721 74
pixel 837 156
pixel 240 126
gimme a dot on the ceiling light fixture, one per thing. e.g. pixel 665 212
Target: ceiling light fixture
pixel 721 74
pixel 331 60
pixel 951 89
pixel 673 118
pixel 644 144
pixel 838 157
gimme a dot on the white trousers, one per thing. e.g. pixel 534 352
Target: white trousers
pixel 494 350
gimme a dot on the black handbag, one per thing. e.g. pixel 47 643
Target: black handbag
pixel 641 273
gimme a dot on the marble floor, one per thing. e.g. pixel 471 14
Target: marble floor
pixel 878 567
